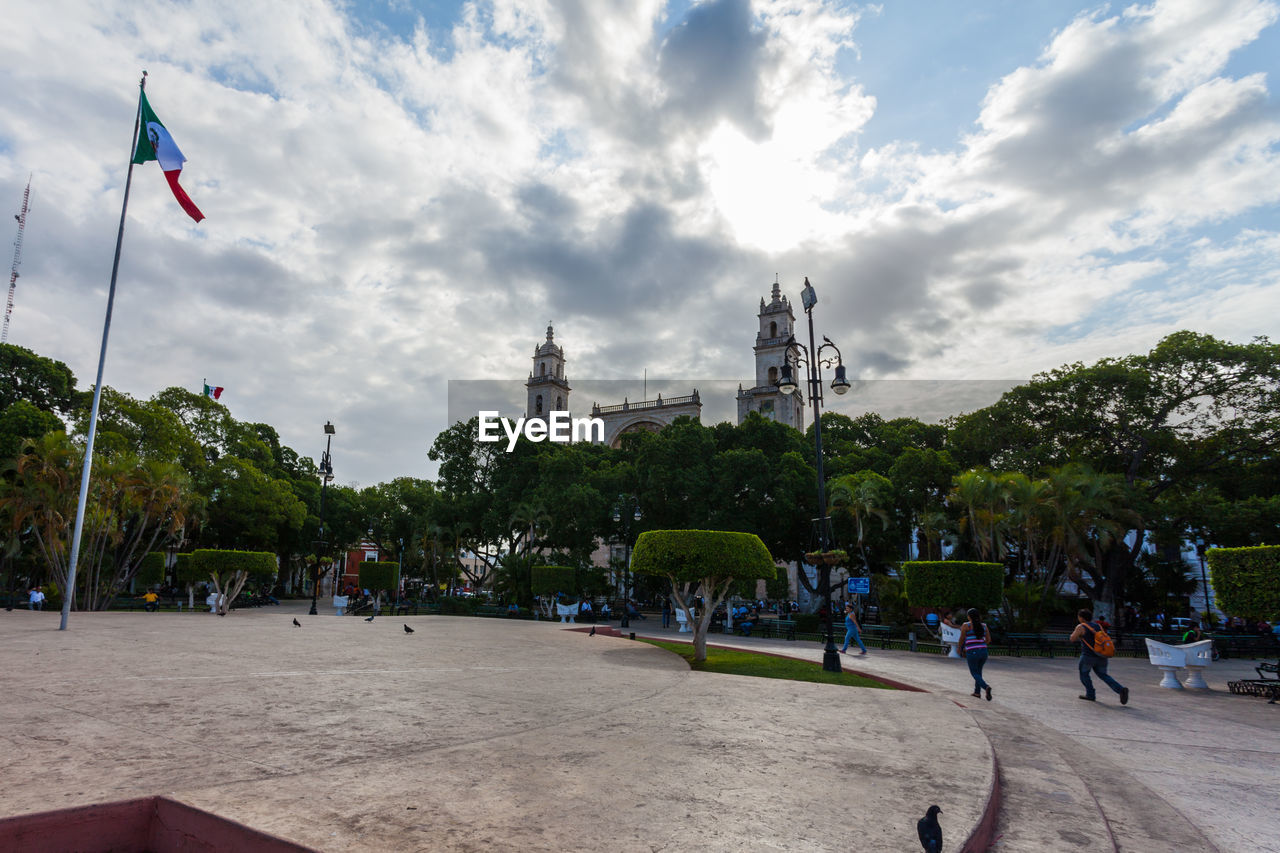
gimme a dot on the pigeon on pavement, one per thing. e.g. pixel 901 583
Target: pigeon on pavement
pixel 930 831
pixel 370 619
pixel 297 624
pixel 408 630
pixel 593 631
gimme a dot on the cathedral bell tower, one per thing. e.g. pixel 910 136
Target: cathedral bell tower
pixel 777 324
pixel 547 385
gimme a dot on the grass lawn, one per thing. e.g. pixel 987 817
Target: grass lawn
pixel 734 662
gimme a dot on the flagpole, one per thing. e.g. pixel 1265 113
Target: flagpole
pixel 70 592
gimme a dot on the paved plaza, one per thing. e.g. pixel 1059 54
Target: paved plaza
pixel 479 734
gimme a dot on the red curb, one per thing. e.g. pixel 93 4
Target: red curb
pixel 984 834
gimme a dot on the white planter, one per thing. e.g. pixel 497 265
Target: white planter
pixel 682 622
pixel 1199 655
pixel 951 636
pixel 1169 659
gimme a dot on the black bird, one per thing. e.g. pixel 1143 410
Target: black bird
pixel 593 631
pixel 408 630
pixel 370 619
pixel 297 624
pixel 930 830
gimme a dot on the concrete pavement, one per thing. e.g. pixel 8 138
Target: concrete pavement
pixel 470 734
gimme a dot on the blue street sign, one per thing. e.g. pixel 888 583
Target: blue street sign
pixel 859 586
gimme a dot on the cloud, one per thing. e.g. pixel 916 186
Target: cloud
pixel 393 208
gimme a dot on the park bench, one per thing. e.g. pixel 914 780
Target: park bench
pixel 404 607
pixel 780 628
pixel 877 632
pixel 1246 646
pixel 1262 685
pixel 1039 642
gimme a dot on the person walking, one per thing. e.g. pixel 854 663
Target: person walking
pixel 1091 661
pixel 851 631
pixel 973 639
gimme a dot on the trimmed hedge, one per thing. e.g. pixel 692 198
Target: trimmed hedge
pixel 953 583
pixel 150 569
pixel 688 556
pixel 548 580
pixel 256 564
pixel 187 572
pixel 1246 581
pixel 377 575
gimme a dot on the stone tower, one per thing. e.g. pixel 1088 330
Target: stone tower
pixel 777 325
pixel 548 387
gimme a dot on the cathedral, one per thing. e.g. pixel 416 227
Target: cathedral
pixel 548 386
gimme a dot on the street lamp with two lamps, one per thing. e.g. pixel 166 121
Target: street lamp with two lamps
pixel 814 359
pixel 626 512
pixel 326 475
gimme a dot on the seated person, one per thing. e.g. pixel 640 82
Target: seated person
pixel 633 612
pixel 151 601
pixel 605 612
pixel 513 609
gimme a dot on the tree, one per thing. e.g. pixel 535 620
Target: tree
pixel 46 384
pixel 861 497
pixel 248 508
pixel 133 507
pixel 23 420
pixel 231 570
pixel 1162 421
pixel 706 560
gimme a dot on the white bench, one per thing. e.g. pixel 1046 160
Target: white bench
pixel 682 622
pixel 340 603
pixel 1199 656
pixel 1193 657
pixel 951 636
pixel 567 612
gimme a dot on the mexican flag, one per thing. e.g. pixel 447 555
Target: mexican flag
pixel 155 143
pixel 213 391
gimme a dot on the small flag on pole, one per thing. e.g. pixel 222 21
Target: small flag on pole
pixel 213 391
pixel 155 143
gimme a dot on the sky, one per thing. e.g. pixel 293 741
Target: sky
pixel 403 194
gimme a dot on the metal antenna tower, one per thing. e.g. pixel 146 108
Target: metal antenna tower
pixel 17 259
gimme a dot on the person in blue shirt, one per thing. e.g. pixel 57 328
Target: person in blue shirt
pixel 851 630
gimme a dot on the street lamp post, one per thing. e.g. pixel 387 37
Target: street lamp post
pixel 624 519
pixel 813 359
pixel 326 474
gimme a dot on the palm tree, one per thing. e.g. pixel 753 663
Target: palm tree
pixel 862 496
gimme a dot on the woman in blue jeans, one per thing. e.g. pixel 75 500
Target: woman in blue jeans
pixel 973 639
pixel 851 630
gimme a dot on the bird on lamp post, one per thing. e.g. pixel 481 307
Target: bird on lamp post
pixel 326 475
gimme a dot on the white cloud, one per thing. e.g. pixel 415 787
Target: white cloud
pixel 387 211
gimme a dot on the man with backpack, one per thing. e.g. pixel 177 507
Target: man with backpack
pixel 1096 647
